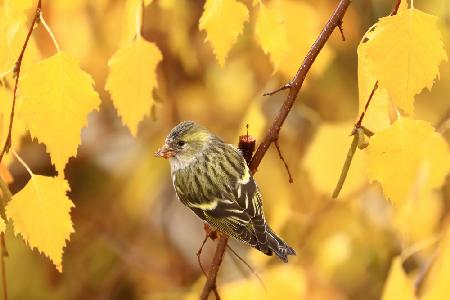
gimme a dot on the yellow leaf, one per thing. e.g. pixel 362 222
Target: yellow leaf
pixel 223 21
pixel 408 159
pixel 302 25
pixel 398 285
pixel 131 80
pixel 326 156
pixel 436 285
pixel 271 33
pixel 405 52
pixel 56 98
pixel 41 214
pixel 377 115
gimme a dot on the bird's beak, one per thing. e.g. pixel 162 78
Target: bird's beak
pixel 165 151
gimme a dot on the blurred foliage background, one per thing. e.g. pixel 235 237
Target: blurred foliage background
pixel 133 240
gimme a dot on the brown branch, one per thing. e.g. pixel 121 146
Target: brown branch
pixel 397 6
pixel 294 87
pixel 17 68
pixel 296 83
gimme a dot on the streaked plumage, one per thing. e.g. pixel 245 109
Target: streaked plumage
pixel 213 180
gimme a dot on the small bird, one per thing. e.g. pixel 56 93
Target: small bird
pixel 213 180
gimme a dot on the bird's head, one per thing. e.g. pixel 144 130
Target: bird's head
pixel 185 141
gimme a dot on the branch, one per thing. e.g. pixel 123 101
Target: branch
pixel 17 68
pixel 296 83
pixel 245 141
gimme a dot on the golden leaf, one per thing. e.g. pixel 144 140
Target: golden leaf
pixel 131 80
pixel 223 21
pixel 270 31
pixel 41 215
pixel 408 159
pixel 404 53
pixel 56 97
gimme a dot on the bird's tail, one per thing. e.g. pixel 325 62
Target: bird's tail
pixel 278 246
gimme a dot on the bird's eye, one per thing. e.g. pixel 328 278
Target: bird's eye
pixel 181 143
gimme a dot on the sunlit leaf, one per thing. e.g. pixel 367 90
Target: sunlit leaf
pixel 223 21
pixel 405 52
pixel 56 99
pixel 41 215
pixel 408 159
pixel 270 31
pixel 131 80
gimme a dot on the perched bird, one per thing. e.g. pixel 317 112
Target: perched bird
pixel 213 180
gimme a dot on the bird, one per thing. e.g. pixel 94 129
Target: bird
pixel 212 179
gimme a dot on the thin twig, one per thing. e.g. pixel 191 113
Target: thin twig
pixel 366 107
pixel 397 6
pixel 341 29
pixel 296 83
pixel 277 145
pixel 17 68
pixel 199 252
pixel 248 266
